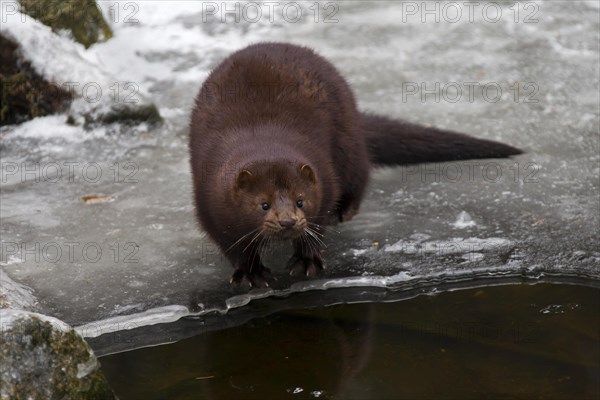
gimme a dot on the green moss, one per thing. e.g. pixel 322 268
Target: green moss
pixel 23 93
pixel 133 115
pixel 81 17
pixel 71 120
pixel 61 352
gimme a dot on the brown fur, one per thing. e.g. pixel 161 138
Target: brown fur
pixel 276 123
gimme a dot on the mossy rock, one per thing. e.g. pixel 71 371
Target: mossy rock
pixel 41 360
pixel 133 115
pixel 4 301
pixel 23 93
pixel 81 17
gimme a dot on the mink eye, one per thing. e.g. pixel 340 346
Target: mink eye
pixel 265 206
pixel 299 203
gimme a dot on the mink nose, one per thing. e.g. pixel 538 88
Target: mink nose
pixel 287 223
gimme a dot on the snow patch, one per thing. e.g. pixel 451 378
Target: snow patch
pixel 10 317
pixel 448 247
pixel 84 369
pixel 51 127
pixel 463 220
pixel 14 294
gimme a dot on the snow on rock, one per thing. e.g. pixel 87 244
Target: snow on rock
pixel 11 317
pixel 100 96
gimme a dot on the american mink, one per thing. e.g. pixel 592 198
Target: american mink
pixel 279 150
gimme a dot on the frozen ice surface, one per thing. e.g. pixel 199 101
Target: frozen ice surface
pixel 135 256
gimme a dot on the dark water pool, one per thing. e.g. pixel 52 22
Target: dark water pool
pixel 516 341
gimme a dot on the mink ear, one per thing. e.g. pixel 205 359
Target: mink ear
pixel 307 173
pixel 244 179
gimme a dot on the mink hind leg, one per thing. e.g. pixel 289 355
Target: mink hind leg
pixel 354 184
pixel 353 167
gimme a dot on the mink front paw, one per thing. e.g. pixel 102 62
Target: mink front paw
pixel 305 264
pixel 256 277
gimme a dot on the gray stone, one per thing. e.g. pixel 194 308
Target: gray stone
pixel 43 358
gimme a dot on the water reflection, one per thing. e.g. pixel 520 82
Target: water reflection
pixel 493 342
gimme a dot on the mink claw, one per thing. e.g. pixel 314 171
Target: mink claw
pixel 256 278
pixel 296 266
pixel 308 266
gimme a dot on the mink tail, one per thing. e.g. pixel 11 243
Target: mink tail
pixel 395 142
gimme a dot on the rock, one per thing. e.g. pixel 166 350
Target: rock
pixel 98 98
pixel 81 18
pixel 44 358
pixel 24 94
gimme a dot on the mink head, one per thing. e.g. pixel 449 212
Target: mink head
pixel 279 199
